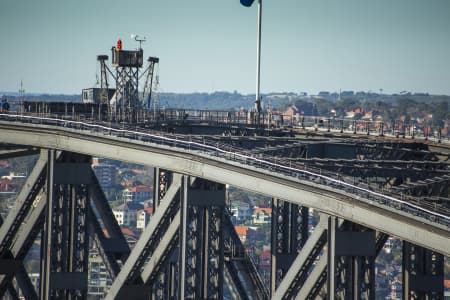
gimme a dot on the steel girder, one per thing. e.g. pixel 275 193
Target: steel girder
pixel 26 219
pixel 435 186
pixel 26 236
pixel 394 151
pixel 202 242
pixel 24 201
pixel 297 274
pixel 289 234
pixel 403 170
pixel 224 171
pixel 351 149
pixel 15 239
pixel 423 273
pixel 165 282
pixel 6 154
pixel 243 272
pixel 111 244
pixel 20 274
pixel 352 254
pixel 116 243
pixel 349 276
pixel 65 242
pixel 162 180
pixel 235 291
pixel 129 279
pixel 101 241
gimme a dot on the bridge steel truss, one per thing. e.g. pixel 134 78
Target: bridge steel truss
pixel 190 250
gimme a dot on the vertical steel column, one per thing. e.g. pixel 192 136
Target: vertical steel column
pixel 161 182
pixel 47 232
pixel 331 253
pixel 351 261
pixel 289 234
pixel 66 235
pixel 183 234
pixel 166 286
pixel 202 244
pixel 423 273
pixel 363 281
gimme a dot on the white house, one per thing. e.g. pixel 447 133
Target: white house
pixel 143 217
pixel 126 214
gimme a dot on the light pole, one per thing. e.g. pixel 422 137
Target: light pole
pixel 248 3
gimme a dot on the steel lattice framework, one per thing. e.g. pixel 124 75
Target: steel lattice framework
pixel 190 250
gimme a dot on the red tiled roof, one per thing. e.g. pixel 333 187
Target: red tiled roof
pixel 127 231
pixel 137 171
pixel 149 210
pixel 241 230
pixel 266 210
pixel 127 183
pixel 141 188
pixel 447 283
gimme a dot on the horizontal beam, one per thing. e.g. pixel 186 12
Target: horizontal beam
pixel 7 154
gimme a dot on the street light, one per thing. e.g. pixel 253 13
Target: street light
pixel 248 3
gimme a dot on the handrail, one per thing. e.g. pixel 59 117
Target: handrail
pixel 245 159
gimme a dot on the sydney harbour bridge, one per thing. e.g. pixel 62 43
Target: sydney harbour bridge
pixel 367 185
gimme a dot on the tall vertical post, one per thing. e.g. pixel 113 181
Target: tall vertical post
pixel 183 233
pixel 289 234
pixel 47 239
pixel 258 65
pixel 202 242
pixel 66 248
pixel 423 273
pixel 351 256
pixel 331 266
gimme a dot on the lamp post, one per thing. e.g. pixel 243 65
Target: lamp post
pixel 248 3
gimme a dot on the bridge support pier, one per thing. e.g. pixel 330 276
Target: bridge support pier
pixel 65 241
pixel 202 244
pixel 289 234
pixel 351 261
pixel 423 273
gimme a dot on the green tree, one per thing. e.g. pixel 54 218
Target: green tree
pixel 440 113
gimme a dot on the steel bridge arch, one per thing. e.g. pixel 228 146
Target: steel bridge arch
pixel 326 199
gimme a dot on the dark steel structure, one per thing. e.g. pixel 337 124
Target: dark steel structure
pixel 190 249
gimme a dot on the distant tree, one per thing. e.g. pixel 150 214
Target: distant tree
pixel 346 104
pixel 404 105
pixel 116 203
pixel 440 113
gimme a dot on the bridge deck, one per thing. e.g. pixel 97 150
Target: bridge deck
pixel 380 212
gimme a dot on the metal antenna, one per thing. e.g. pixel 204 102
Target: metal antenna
pixel 137 39
pixel 22 94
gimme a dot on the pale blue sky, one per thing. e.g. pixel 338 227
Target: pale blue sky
pixel 205 45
